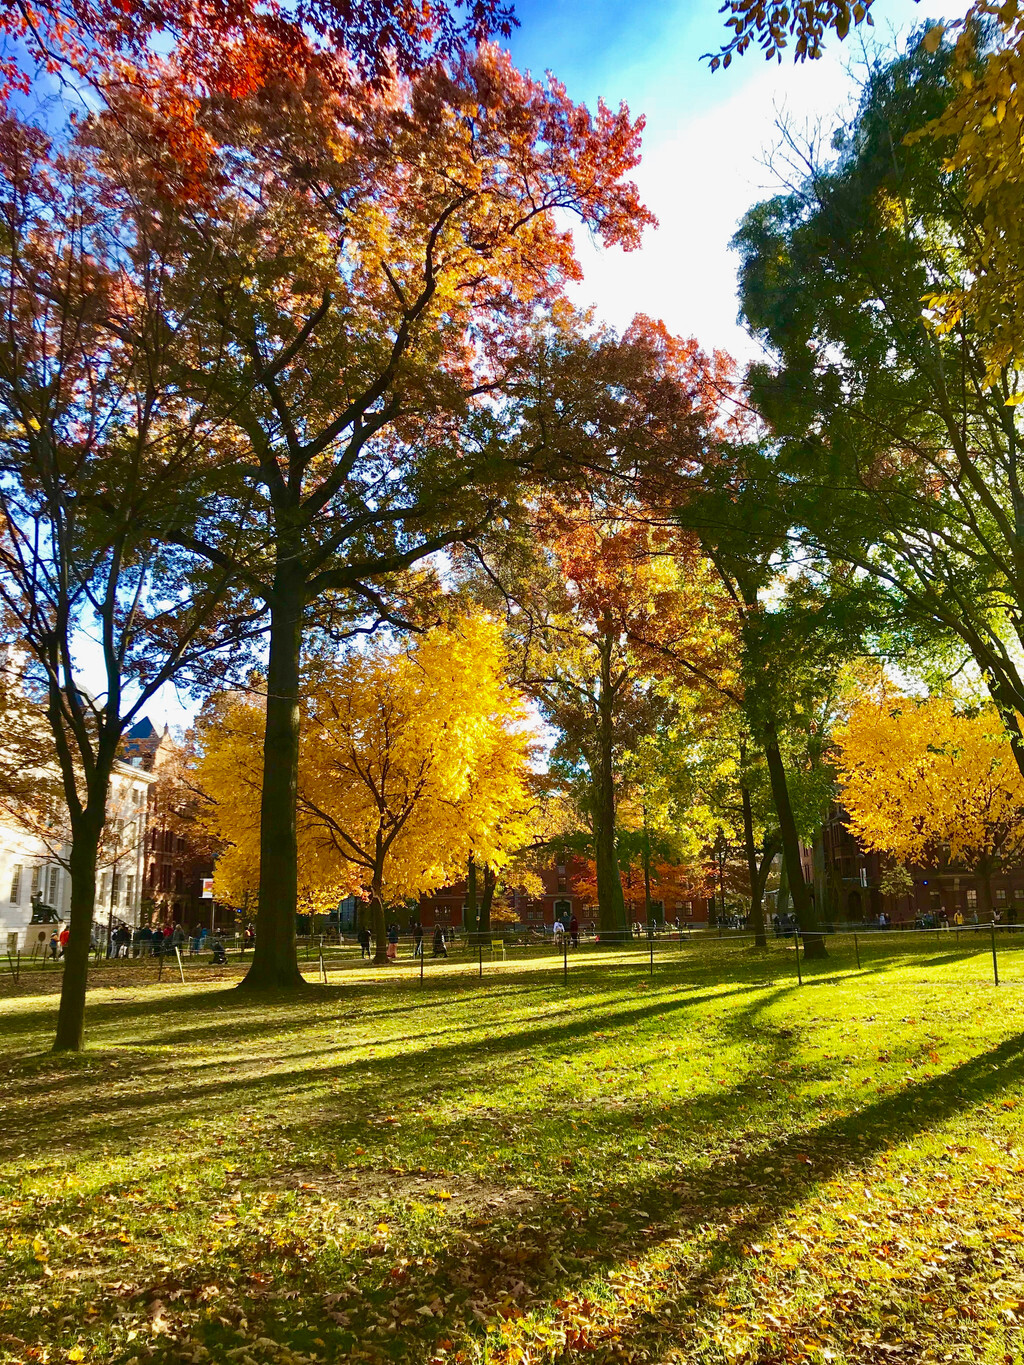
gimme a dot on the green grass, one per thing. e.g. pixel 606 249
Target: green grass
pixel 710 1165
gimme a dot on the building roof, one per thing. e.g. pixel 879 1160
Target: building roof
pixel 142 729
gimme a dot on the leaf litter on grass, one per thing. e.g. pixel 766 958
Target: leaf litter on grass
pixel 714 1171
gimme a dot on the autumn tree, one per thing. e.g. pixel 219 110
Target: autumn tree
pixel 100 457
pixel 895 448
pixel 928 781
pixel 411 759
pixel 599 578
pixel 229 48
pixel 347 304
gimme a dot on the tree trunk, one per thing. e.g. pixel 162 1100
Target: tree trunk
pixel 378 926
pixel 611 904
pixel 782 901
pixel 822 889
pixel 85 842
pixel 483 923
pixel 756 882
pixel 275 964
pixel 986 905
pixel 470 925
pixel 647 870
pixel 814 942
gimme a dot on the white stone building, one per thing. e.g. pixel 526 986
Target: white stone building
pixel 32 870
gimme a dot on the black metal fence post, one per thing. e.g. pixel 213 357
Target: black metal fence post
pixel 422 956
pixel 565 959
pixel 650 940
pixel 856 949
pixel 481 948
pixel 796 945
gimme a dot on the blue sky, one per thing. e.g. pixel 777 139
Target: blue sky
pixel 707 134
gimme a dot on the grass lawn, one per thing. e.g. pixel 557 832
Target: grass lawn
pixel 712 1165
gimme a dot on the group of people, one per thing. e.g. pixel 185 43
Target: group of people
pixel 441 939
pixel 145 941
pixel 572 929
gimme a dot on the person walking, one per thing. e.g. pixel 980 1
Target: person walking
pixel 65 934
pixel 574 932
pixel 417 933
pixel 364 943
pixel 54 945
pixel 392 941
pixel 439 946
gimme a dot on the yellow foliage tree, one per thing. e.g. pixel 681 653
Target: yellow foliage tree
pixel 921 776
pixel 984 123
pixel 412 759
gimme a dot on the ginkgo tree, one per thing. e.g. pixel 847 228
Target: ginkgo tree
pixel 928 780
pixel 414 756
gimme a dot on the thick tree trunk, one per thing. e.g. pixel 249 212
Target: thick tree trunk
pixel 378 926
pixel 754 873
pixel 483 923
pixel 85 840
pixel 275 963
pixel 611 904
pixel 470 925
pixel 814 942
pixel 647 870
pixel 986 904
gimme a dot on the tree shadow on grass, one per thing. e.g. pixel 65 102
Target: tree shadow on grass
pixel 714 1189
pixel 79 1092
pixel 530 1261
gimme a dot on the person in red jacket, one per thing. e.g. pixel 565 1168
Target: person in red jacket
pixel 65 934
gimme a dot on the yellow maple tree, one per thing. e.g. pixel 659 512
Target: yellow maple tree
pixel 412 759
pixel 926 780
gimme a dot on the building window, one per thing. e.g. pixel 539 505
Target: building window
pixel 37 873
pixel 129 891
pixel 51 898
pixel 115 887
pixel 972 900
pixel 1001 896
pixel 16 884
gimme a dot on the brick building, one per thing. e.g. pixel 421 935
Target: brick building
pixel 177 857
pixel 846 881
pixel 560 899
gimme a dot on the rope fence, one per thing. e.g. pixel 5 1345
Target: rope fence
pixel 986 950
